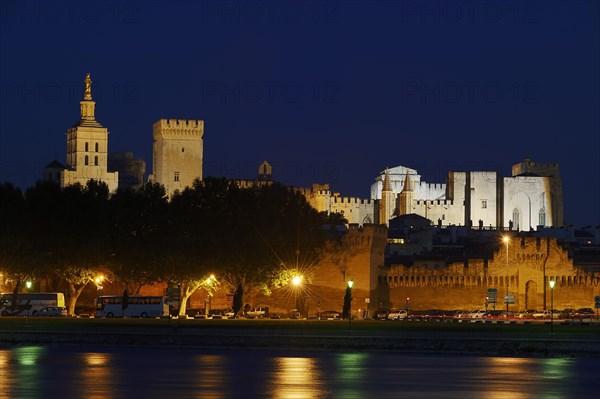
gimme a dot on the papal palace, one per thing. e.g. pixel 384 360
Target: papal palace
pixel 412 244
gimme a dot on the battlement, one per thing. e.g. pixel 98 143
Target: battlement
pixel 320 187
pixel 529 166
pixel 180 122
pixel 352 201
pixel 432 186
pixel 435 202
pixel 178 128
pixel 367 234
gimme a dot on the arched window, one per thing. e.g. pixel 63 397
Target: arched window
pixel 87 160
pixel 516 219
pixel 96 147
pixel 96 160
pixel 86 148
pixel 542 217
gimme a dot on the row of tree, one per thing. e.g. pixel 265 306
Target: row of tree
pixel 249 238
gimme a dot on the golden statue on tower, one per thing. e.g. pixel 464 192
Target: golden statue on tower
pixel 87 95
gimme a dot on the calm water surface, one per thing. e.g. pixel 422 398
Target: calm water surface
pixel 106 373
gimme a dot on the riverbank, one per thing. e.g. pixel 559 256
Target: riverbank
pixel 546 345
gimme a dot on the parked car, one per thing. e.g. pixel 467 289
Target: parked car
pixel 397 314
pixel 543 314
pixel 52 311
pixel 504 313
pixel 478 314
pixel 381 314
pixel 84 311
pixel 585 312
pixel 259 311
pixel 461 314
pixel 567 313
pixel 495 313
pixel 526 314
pixel 330 315
pixel 220 313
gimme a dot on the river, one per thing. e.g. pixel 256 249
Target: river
pixel 159 372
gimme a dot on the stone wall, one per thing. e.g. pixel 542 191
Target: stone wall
pixel 525 273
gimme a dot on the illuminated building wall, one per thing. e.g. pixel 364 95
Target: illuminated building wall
pixel 177 153
pixel 532 263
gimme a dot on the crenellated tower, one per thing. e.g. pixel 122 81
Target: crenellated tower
pixel 177 153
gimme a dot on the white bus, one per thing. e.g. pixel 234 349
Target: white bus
pixel 138 306
pixel 29 304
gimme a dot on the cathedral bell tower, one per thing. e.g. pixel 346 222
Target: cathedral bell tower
pixel 87 147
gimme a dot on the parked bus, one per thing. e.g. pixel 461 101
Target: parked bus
pixel 138 306
pixel 29 304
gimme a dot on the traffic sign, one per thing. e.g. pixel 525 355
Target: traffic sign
pixel 173 294
pixel 509 299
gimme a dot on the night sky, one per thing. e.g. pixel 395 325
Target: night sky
pixel 326 92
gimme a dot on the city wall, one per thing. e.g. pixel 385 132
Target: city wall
pixel 525 273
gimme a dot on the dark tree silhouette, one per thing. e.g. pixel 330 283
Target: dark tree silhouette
pixel 347 303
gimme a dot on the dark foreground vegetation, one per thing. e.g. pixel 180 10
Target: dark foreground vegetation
pixel 68 237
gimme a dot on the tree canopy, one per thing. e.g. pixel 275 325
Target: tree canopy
pixel 249 238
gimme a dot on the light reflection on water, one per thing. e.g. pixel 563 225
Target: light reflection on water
pixel 71 372
pixel 95 368
pixel 212 382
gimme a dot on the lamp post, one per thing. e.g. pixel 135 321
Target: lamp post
pixel 209 288
pixel 350 284
pixel 296 282
pixel 506 240
pixel 28 286
pixel 552 282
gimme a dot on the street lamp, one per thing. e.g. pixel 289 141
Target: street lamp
pixel 506 241
pixel 552 282
pixel 350 284
pixel 28 286
pixel 296 282
pixel 208 300
pixel 98 281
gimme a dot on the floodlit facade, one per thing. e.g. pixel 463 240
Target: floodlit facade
pixel 87 149
pixel 177 153
pixel 531 197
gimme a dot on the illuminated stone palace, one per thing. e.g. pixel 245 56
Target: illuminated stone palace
pixel 531 197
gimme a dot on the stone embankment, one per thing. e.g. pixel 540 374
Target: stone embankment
pixel 536 345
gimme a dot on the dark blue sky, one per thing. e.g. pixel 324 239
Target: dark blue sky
pixel 327 92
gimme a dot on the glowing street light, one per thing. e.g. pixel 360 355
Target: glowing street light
pixel 297 280
pixel 28 286
pixel 350 284
pixel 208 299
pixel 98 281
pixel 552 283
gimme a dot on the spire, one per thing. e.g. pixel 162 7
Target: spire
pixel 87 106
pixel 407 183
pixel 87 94
pixel 386 181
